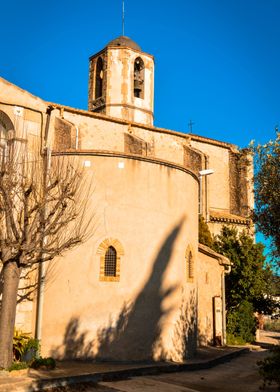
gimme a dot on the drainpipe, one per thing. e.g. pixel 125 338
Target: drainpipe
pixel 42 267
pixel 226 270
pixel 224 342
pixel 40 300
pixel 41 276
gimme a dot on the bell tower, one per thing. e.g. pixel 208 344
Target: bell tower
pixel 121 82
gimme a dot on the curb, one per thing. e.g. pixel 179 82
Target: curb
pixel 49 384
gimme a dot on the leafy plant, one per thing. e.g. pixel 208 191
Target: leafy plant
pixel 32 343
pixel 267 195
pixel 248 285
pixel 48 363
pixel 20 340
pixel 31 350
pixel 249 278
pixel 24 346
pixel 269 367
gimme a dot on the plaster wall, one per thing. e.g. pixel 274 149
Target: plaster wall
pixel 150 209
pixel 99 134
pixel 209 283
pixel 119 91
pixel 216 227
pixel 218 182
pixel 19 97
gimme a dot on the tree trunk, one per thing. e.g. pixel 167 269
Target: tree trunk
pixel 11 277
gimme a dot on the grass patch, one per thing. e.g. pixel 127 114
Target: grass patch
pixel 235 340
pixel 272 325
pixel 18 366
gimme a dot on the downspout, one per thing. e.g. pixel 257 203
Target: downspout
pixel 40 300
pixel 226 270
pixel 42 267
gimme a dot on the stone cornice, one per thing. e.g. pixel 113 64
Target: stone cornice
pixel 214 142
pixel 119 48
pixel 105 117
pixel 116 154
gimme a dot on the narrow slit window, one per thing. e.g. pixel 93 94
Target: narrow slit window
pixel 190 266
pixel 110 267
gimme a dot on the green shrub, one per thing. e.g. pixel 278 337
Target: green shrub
pixel 18 366
pixel 205 236
pixel 48 363
pixel 269 367
pixel 241 324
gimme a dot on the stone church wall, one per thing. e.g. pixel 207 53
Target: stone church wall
pixel 145 202
pixel 149 209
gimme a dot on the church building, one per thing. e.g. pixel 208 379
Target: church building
pixel 141 287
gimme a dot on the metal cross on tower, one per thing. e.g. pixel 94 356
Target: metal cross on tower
pixel 190 125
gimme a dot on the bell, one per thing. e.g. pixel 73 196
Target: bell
pixel 137 85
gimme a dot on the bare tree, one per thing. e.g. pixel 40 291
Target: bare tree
pixel 43 201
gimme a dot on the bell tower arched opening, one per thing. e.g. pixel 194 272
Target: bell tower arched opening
pixel 139 78
pixel 121 82
pixel 99 78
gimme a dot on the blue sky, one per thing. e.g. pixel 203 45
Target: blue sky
pixel 217 61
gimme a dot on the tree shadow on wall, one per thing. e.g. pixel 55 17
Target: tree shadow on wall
pixel 138 326
pixel 137 330
pixel 185 330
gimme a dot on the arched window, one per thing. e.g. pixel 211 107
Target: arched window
pixel 189 265
pixel 139 71
pixel 110 251
pixel 110 265
pixel 7 132
pixel 99 78
pixel 6 127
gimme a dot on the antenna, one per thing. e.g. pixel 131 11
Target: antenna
pixel 123 17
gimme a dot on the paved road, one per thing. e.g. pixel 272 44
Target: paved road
pixel 238 375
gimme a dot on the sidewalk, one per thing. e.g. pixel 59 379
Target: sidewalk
pixel 76 372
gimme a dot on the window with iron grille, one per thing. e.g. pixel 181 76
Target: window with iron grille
pixel 111 252
pixel 110 265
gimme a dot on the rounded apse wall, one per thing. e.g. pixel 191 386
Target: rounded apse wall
pixel 147 212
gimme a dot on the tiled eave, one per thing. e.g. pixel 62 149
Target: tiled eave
pixel 240 221
pixel 228 218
